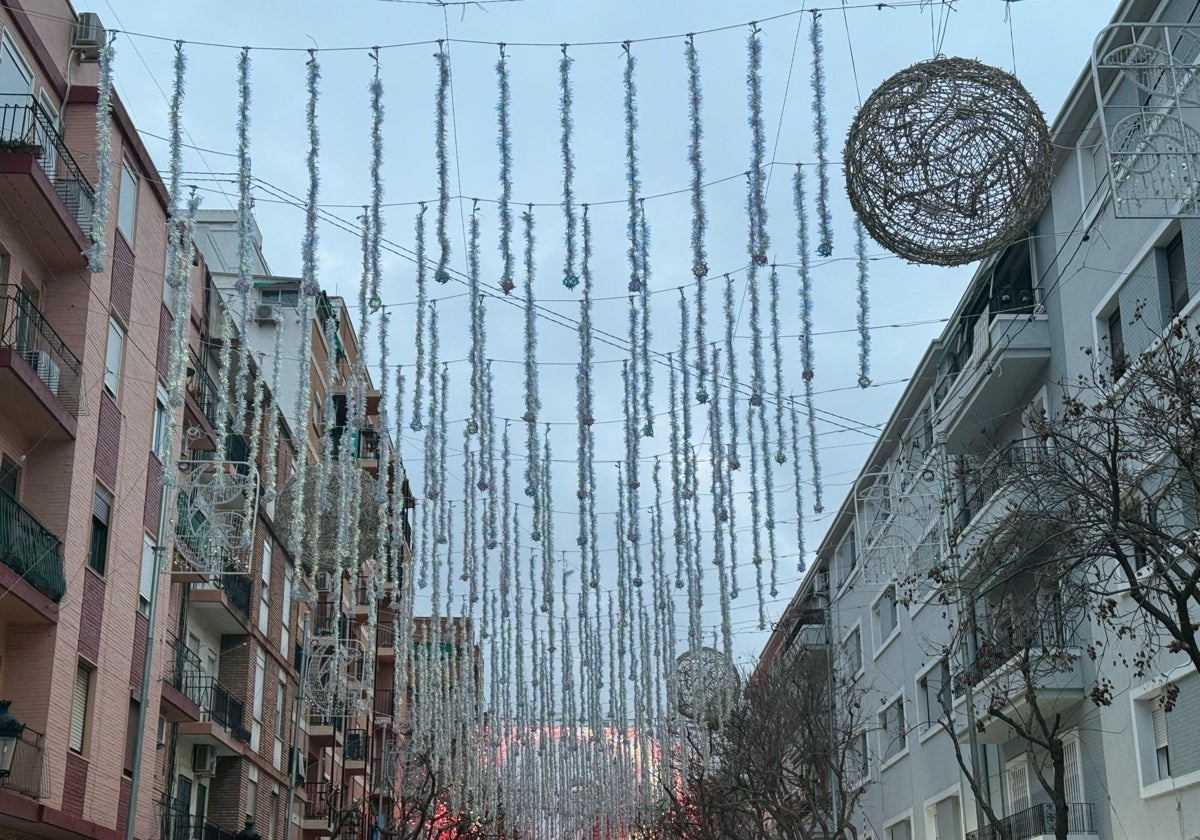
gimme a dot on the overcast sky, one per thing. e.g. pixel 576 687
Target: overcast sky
pixel 1050 40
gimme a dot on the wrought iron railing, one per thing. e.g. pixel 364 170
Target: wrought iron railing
pixel 237 590
pixel 322 802
pixel 25 126
pixel 179 824
pixel 217 704
pixel 1037 821
pixel 25 330
pixel 986 479
pixel 203 389
pixel 26 775
pixel 30 550
pixel 1051 632
pixel 385 634
pixel 385 701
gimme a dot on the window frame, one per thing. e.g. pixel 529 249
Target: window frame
pixel 97 559
pixel 110 371
pixel 929 725
pixel 77 741
pixel 149 569
pixel 162 417
pixel 855 628
pixel 885 737
pixel 1169 287
pixel 881 640
pixel 128 177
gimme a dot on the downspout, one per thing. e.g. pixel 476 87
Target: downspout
pixel 293 772
pixel 147 664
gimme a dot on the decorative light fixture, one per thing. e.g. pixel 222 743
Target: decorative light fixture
pixel 11 730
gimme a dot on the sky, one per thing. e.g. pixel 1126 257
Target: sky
pixel 1047 42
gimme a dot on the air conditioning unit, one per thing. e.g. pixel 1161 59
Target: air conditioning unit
pixel 204 760
pixel 88 35
pixel 45 367
pixel 324 582
pixel 265 313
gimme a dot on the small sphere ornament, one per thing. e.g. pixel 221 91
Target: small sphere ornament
pixel 635 285
pixel 507 286
pixel 581 494
pixel 529 417
pixel 864 381
pixel 482 485
pixel 374 303
pixel 529 492
pixel 756 399
pixel 759 259
pixel 702 396
pixel 647 430
pixel 588 420
pixel 948 161
pixel 472 427
pixel 707 684
pixel 700 269
pixel 570 281
pixel 442 277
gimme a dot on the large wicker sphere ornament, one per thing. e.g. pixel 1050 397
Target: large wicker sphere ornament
pixel 948 161
pixel 706 685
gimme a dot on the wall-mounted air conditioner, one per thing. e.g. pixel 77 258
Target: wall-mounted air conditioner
pixel 204 760
pixel 265 313
pixel 88 35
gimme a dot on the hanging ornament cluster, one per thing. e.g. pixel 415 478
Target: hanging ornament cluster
pixel 948 161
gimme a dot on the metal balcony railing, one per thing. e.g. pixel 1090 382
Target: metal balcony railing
pixel 25 126
pixel 25 330
pixel 385 635
pixel 216 702
pixel 30 550
pixel 1038 821
pixel 985 479
pixel 322 802
pixel 203 389
pixel 28 767
pixel 385 701
pixel 178 824
pixel 1050 633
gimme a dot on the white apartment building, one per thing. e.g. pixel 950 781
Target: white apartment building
pixel 1036 315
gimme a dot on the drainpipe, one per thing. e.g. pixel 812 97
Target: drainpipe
pixel 295 768
pixel 147 664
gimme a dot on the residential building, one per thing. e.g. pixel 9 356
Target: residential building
pixel 81 511
pixel 1092 284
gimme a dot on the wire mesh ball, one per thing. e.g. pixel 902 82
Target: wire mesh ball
pixel 706 685
pixel 948 161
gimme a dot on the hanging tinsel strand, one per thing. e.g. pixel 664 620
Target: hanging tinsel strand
pixel 864 305
pixel 532 394
pixel 308 250
pixel 104 180
pixel 721 512
pixel 696 160
pixel 806 329
pixel 443 166
pixel 800 551
pixel 777 360
pixel 731 462
pixel 756 201
pixel 632 180
pixel 755 514
pixel 646 377
pixel 422 316
pixel 374 302
pixel 821 139
pixel 583 386
pixel 245 230
pixel 687 490
pixel 570 280
pixel 477 348
pixel 677 468
pixel 504 144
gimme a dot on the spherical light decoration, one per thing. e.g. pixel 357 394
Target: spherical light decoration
pixel 948 161
pixel 706 685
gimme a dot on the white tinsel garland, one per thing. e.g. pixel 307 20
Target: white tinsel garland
pixel 504 144
pixel 821 140
pixel 442 275
pixel 731 462
pixel 798 487
pixel 422 314
pixel 864 305
pixel 376 217
pixel 570 279
pixel 104 179
pixel 806 329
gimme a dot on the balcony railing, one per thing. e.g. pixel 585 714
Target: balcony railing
pixel 25 330
pixel 384 701
pixel 1051 633
pixel 385 635
pixel 26 774
pixel 178 824
pixel 25 126
pixel 322 800
pixel 30 550
pixel 216 702
pixel 1038 821
pixel 364 443
pixel 203 389
pixel 984 480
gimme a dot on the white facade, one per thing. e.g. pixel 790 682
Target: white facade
pixel 1034 316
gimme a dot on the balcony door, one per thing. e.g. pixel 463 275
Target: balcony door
pixel 46 131
pixel 16 86
pixel 1016 786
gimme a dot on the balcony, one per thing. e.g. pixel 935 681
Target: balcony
pixel 30 551
pixel 992 372
pixel 1037 823
pixel 384 704
pixel 995 674
pixel 983 481
pixel 321 807
pixel 39 377
pixel 54 200
pixel 355 752
pixel 224 602
pixel 27 776
pixel 364 445
pixel 385 639
pixel 178 824
pixel 202 392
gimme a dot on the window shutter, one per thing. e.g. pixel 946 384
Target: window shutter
pixel 131 736
pixel 1160 724
pixel 79 708
pixel 1072 783
pixel 1018 785
pixel 148 569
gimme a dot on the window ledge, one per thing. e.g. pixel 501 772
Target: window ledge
pixel 928 730
pixel 1170 785
pixel 886 643
pixel 894 759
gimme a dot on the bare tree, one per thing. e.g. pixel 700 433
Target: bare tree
pixel 787 764
pixel 423 808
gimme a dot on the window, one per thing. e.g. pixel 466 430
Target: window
pixel 112 358
pixel 947 820
pixel 260 666
pixel 1016 785
pixel 264 589
pixel 79 708
pixel 1177 281
pixel 149 570
pixel 886 614
pixel 98 547
pixel 127 203
pixel 279 722
pixel 1116 343
pixel 856 756
pixel 251 798
pixel 162 417
pixel 892 728
pixel 1169 729
pixel 10 477
pixel 852 651
pixel 281 297
pixel 935 689
pixel 285 621
pixel 131 737
pixel 900 831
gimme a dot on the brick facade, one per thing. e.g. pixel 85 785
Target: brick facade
pixel 121 295
pixel 92 617
pixel 108 442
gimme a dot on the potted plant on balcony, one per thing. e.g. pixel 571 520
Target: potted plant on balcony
pixel 20 146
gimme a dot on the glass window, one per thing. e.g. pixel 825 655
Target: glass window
pixel 79 707
pixel 162 416
pixel 1177 281
pixel 892 728
pixel 10 477
pixel 852 651
pixel 127 203
pixel 886 614
pixel 281 297
pixel 264 589
pixel 112 358
pixel 935 692
pixel 149 569
pixel 1116 343
pixel 98 546
pixel 131 737
pixel 900 831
